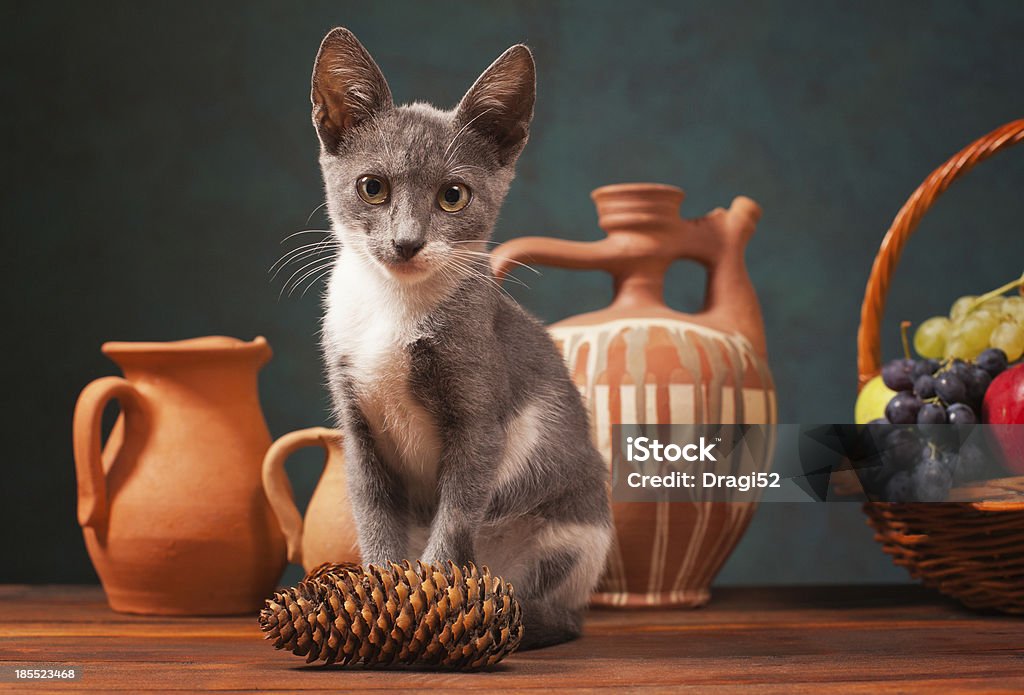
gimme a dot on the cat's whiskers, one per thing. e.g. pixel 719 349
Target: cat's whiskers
pixel 448 158
pixel 453 155
pixel 306 231
pixel 486 275
pixel 484 259
pixel 289 287
pixel 465 272
pixel 510 260
pixel 319 269
pixel 471 269
pixel 309 254
pixel 313 281
pixel 322 273
pixel 315 262
pixel 318 207
pixel 384 144
pixel 448 274
pixel 295 254
pixel 460 169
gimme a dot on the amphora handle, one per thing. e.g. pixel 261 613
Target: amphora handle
pixel 279 490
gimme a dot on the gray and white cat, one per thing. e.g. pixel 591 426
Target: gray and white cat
pixel 465 438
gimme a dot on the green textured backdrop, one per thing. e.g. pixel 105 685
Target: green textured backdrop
pixel 156 153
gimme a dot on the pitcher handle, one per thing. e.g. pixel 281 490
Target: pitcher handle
pixel 556 253
pixel 88 445
pixel 279 490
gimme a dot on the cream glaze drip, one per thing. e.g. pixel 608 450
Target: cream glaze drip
pixel 727 355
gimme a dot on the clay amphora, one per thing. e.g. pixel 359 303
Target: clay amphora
pixel 173 512
pixel 640 362
pixel 328 532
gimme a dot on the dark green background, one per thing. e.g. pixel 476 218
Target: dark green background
pixel 156 153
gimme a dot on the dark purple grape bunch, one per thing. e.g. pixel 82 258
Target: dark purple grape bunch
pixel 920 462
pixel 932 393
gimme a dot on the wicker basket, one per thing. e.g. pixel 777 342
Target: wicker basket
pixel 972 551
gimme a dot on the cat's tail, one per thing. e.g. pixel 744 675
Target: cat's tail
pixel 547 625
pixel 556 591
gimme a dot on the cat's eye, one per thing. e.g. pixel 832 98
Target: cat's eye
pixel 372 189
pixel 453 197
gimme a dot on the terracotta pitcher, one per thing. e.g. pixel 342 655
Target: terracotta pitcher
pixel 640 362
pixel 328 533
pixel 173 512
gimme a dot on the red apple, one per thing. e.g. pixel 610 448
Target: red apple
pixel 1004 405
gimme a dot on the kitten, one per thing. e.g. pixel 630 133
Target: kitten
pixel 465 438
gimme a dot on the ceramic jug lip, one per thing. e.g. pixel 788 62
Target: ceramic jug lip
pixel 616 189
pixel 206 346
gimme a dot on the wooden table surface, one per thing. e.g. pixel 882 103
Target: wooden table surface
pixel 794 640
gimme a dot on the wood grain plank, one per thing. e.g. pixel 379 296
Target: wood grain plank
pixel 801 639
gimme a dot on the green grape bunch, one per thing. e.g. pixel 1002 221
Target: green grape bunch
pixel 974 325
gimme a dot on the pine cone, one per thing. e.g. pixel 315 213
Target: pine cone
pixel 427 615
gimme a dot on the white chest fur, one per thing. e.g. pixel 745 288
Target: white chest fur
pixel 370 324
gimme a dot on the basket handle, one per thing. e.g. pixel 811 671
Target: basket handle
pixel 869 351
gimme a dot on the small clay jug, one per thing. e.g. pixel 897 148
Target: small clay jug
pixel 328 532
pixel 640 362
pixel 173 510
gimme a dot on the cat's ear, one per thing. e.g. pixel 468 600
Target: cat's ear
pixel 348 87
pixel 499 105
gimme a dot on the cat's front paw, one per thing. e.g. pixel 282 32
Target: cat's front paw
pixel 382 558
pixel 441 555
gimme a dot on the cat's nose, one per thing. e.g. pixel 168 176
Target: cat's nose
pixel 407 249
